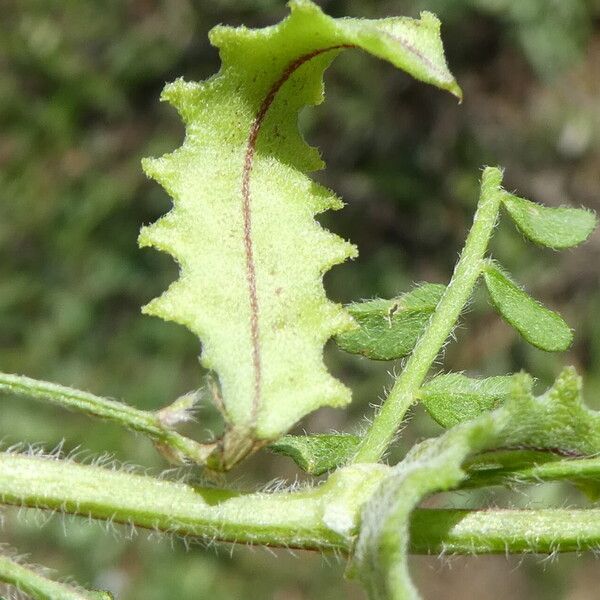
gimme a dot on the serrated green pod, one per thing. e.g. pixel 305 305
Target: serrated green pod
pixel 243 227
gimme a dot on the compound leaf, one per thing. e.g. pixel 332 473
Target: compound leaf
pixel 552 227
pixel 557 420
pixel 317 453
pixel 537 324
pixel 243 228
pixel 453 397
pixel 389 329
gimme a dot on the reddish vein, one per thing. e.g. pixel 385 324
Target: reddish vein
pixel 247 215
pixel 246 198
pixel 419 55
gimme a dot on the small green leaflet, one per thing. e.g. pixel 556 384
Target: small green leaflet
pixel 317 453
pixel 243 229
pixel 552 227
pixel 537 324
pixel 453 398
pixel 389 329
pixel 557 420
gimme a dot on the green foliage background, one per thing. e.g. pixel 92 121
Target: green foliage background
pixel 79 88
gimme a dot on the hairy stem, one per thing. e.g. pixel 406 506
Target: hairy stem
pixel 283 519
pixel 214 514
pixel 457 294
pixel 500 531
pixel 148 423
pixel 39 587
pixel 528 466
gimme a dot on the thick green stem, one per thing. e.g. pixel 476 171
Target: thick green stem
pixel 174 444
pixel 274 519
pixel 39 587
pixel 310 519
pixel 468 269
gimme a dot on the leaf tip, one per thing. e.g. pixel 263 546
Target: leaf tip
pixel 431 20
pixel 456 91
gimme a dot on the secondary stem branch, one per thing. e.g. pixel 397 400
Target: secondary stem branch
pixel 39 587
pixel 500 531
pixel 457 294
pixel 145 422
pixel 528 466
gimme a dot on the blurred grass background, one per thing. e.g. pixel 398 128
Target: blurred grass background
pixel 79 88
